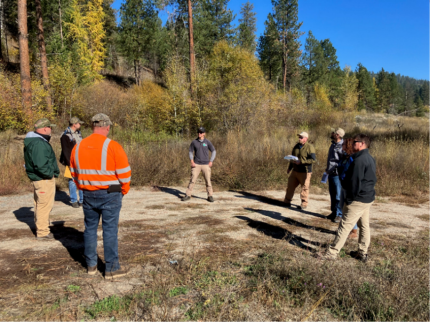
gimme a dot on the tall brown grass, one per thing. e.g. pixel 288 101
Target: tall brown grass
pixel 253 159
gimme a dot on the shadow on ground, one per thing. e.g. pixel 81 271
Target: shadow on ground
pixel 71 238
pixel 175 192
pixel 281 233
pixel 289 221
pixel 275 202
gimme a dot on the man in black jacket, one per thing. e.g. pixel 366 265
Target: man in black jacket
pixel 71 136
pixel 359 183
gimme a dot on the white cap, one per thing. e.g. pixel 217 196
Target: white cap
pixel 303 134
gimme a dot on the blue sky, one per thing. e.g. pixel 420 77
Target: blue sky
pixel 389 34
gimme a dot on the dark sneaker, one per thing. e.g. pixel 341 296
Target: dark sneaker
pixel 92 270
pixel 49 236
pixel 75 204
pixel 116 274
pixel 186 198
pixel 211 199
pixel 80 204
pixel 287 204
pixel 331 217
pixel 359 256
pixel 337 219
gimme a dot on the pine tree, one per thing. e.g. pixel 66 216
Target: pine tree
pixel 212 23
pixel 136 31
pixel 424 93
pixel 366 91
pixel 247 27
pixel 286 18
pixel 269 50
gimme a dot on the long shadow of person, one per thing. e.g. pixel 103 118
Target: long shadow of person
pixel 26 215
pixel 71 238
pixel 63 197
pixel 281 233
pixel 279 216
pixel 275 202
pixel 175 192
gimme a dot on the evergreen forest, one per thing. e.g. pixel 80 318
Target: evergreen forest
pixel 197 68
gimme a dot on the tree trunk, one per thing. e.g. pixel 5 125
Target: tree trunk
pixel 42 51
pixel 192 55
pixel 24 60
pixel 61 22
pixel 1 29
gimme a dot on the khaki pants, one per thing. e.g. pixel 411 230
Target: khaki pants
pixel 194 175
pixel 355 213
pixel 296 178
pixel 44 195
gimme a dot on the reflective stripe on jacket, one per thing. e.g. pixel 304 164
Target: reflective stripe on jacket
pixel 98 162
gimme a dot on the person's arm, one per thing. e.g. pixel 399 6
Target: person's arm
pixel 40 156
pixel 213 153
pixel 334 160
pixel 311 157
pixel 122 167
pixel 191 155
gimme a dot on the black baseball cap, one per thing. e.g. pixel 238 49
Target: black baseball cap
pixel 201 130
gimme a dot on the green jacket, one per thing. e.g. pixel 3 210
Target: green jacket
pixel 40 160
pixel 306 155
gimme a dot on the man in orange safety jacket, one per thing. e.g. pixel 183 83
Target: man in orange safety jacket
pixel 99 167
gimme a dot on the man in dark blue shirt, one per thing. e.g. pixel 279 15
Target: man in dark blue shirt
pixel 200 162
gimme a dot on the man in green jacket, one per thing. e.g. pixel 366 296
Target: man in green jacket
pixel 301 170
pixel 42 169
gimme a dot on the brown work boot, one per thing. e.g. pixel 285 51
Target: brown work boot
pixel 47 237
pixel 353 234
pixel 115 274
pixel 92 270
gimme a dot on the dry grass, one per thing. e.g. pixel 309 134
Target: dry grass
pixel 222 283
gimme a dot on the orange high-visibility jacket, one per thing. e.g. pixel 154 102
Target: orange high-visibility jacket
pixel 98 162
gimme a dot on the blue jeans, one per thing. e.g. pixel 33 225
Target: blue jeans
pixel 342 202
pixel 107 205
pixel 72 191
pixel 335 188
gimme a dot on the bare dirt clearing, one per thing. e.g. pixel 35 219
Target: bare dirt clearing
pixel 155 228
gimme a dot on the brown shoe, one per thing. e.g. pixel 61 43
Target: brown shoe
pixel 353 234
pixel 115 274
pixel 92 270
pixel 49 236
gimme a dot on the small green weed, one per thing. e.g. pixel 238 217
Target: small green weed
pixel 74 288
pixel 178 291
pixel 108 306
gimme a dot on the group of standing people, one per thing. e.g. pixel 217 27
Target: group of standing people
pixel 99 176
pixel 351 174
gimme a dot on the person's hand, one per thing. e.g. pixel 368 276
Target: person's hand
pixel 210 164
pixel 193 165
pixel 288 171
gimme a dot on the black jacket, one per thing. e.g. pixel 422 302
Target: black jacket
pixel 360 178
pixel 67 145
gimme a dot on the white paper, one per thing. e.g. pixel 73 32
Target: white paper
pixel 291 158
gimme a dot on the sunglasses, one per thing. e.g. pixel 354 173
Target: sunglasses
pixel 357 141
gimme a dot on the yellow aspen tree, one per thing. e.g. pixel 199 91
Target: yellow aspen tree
pixel 93 22
pixel 86 29
pixel 349 90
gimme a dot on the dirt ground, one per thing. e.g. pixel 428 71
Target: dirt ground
pixel 156 226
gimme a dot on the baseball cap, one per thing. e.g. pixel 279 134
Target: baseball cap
pixel 303 134
pixel 201 130
pixel 101 120
pixel 40 124
pixel 339 131
pixel 75 120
